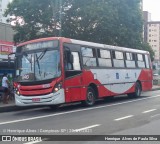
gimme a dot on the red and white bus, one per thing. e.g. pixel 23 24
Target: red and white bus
pixel 57 70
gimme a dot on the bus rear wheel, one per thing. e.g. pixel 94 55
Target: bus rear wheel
pixel 137 92
pixel 90 98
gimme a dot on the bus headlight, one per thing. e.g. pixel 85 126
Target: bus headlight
pixel 17 92
pixel 57 87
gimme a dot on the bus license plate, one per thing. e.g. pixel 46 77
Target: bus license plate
pixel 35 99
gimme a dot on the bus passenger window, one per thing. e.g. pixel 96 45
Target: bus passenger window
pixel 130 60
pixel 147 61
pixel 140 61
pixel 119 59
pixel 104 58
pixel 89 56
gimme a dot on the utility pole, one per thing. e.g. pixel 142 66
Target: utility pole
pixel 60 17
pixel 57 16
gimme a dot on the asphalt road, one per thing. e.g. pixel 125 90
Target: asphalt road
pixel 120 116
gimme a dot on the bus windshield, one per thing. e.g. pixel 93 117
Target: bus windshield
pixel 38 65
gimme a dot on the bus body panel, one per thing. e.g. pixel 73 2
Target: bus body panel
pixel 109 81
pixel 73 88
pixel 48 99
pixel 117 81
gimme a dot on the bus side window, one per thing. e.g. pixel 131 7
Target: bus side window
pixel 118 59
pixel 74 68
pixel 147 61
pixel 104 58
pixel 89 56
pixel 140 61
pixel 68 59
pixel 130 60
pixel 76 61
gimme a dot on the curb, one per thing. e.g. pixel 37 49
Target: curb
pixel 13 107
pixel 8 108
pixel 155 89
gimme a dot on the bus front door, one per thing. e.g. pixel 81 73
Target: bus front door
pixel 73 79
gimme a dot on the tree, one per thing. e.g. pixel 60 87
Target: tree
pixel 114 22
pixel 39 18
pixel 147 47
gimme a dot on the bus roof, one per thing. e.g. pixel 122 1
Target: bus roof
pixel 85 43
pixel 118 48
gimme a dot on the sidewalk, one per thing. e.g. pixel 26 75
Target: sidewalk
pixel 12 107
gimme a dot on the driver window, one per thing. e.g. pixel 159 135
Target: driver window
pixel 76 62
pixel 74 68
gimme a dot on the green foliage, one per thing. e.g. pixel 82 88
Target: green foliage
pixel 114 22
pixel 147 47
pixel 37 16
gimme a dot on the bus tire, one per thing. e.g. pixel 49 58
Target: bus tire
pixel 137 92
pixel 90 98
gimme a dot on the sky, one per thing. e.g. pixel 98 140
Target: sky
pixel 152 6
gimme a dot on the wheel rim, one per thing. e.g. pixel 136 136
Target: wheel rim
pixel 90 98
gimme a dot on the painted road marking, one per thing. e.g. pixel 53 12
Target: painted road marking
pixel 85 128
pixel 74 111
pixel 155 115
pixel 149 111
pixel 122 118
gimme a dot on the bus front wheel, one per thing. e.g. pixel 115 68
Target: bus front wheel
pixel 90 98
pixel 137 92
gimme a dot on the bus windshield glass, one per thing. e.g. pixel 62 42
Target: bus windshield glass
pixel 38 65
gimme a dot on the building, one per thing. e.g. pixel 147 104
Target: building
pixel 152 36
pixel 6 47
pixel 6 42
pixel 6 32
pixel 146 18
pixel 3 6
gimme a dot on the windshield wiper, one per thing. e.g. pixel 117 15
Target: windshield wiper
pixel 30 60
pixel 26 56
pixel 37 60
pixel 42 54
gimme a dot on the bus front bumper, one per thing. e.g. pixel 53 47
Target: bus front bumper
pixel 49 99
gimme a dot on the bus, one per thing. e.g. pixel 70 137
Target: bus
pixel 57 70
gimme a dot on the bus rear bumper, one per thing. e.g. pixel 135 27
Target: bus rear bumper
pixel 49 99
